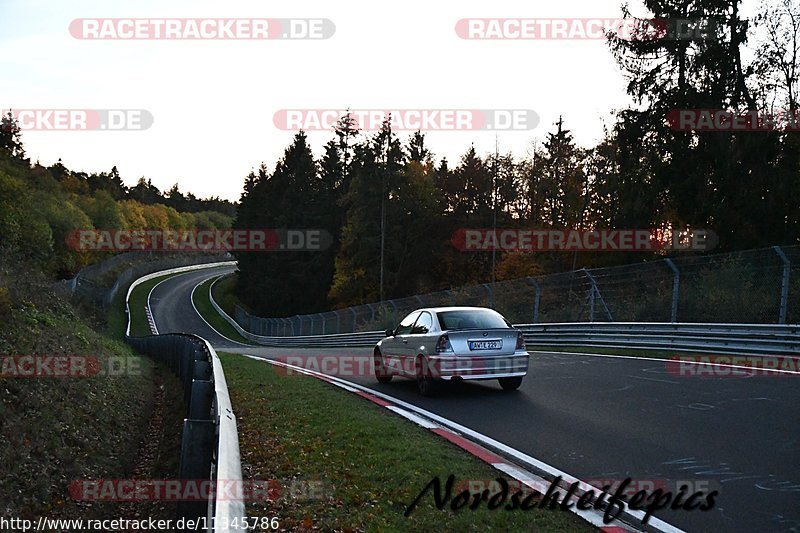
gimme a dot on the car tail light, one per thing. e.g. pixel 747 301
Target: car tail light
pixel 443 344
pixel 521 341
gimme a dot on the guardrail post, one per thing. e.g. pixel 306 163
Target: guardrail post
pixel 201 399
pixel 787 269
pixel 197 449
pixel 676 284
pixel 536 300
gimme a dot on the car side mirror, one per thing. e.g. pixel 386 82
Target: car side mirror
pixel 389 333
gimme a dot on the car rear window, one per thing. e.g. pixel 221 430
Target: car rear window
pixel 451 320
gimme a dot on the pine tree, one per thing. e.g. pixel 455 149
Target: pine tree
pixel 10 137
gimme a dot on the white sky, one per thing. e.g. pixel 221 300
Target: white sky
pixel 213 101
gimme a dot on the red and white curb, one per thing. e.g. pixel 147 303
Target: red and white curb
pixel 455 433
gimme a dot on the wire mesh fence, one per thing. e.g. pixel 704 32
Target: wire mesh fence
pixel 99 283
pixel 755 286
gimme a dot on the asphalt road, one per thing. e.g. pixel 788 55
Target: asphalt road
pixel 602 418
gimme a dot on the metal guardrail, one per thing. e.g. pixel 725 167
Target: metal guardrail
pixel 756 339
pixel 210 442
pixel 344 340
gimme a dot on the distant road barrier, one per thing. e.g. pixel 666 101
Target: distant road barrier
pixel 85 283
pixel 758 339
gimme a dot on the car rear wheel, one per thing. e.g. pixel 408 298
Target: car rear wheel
pixel 426 385
pixel 510 384
pixel 381 374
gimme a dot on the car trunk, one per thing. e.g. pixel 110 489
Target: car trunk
pixel 483 342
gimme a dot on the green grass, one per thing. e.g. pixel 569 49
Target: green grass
pixel 223 291
pixel 371 463
pixel 202 302
pixel 138 301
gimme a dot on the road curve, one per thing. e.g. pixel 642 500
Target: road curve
pixel 606 418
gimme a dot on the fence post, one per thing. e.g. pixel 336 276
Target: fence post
pixel 322 316
pixel 372 311
pixel 787 268
pixel 353 310
pixel 676 284
pixel 536 300
pixel 491 294
pixel 595 292
pixel 338 321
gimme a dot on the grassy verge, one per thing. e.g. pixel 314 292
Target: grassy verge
pixel 58 430
pixel 138 301
pixel 369 464
pixel 202 302
pixel 224 296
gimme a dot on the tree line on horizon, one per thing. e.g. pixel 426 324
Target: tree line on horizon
pixel 40 205
pixel 745 186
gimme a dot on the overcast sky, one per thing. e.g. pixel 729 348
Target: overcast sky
pixel 213 102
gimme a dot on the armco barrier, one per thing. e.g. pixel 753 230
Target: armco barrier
pixel 344 340
pixel 210 443
pixel 758 339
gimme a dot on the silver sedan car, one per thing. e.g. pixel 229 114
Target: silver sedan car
pixel 451 344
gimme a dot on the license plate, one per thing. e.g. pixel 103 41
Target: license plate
pixel 486 345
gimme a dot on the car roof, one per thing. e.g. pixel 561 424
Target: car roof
pixel 462 308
